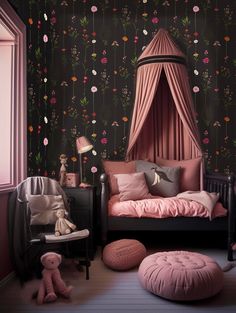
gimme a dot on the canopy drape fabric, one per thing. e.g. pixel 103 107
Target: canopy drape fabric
pixel 163 121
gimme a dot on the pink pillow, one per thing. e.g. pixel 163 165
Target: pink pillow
pixel 189 173
pixel 117 167
pixel 132 186
pixel 218 210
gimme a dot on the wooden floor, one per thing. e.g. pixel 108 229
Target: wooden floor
pixel 109 291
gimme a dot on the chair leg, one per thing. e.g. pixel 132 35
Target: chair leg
pixel 87 259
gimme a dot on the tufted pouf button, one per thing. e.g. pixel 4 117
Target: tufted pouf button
pixel 123 254
pixel 181 275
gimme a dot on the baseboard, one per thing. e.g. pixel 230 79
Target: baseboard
pixel 6 279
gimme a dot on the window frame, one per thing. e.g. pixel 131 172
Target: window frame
pixel 18 141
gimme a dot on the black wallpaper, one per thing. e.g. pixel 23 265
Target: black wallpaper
pixel 82 58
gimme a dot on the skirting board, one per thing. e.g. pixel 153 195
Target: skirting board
pixel 6 279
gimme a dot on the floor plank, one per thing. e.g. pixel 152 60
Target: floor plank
pixel 116 292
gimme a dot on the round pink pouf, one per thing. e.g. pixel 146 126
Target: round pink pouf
pixel 181 275
pixel 123 254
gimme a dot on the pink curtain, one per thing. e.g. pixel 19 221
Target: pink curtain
pixel 146 87
pixel 177 78
pixel 165 126
pixel 163 121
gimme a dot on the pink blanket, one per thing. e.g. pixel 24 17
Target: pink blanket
pixel 162 207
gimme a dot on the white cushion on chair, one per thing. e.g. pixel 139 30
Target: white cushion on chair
pixel 76 235
pixel 43 208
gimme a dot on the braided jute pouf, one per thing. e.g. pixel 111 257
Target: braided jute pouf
pixel 124 254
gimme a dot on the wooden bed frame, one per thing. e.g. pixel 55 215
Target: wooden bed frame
pixel 212 183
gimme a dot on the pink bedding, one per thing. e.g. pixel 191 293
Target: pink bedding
pixel 158 207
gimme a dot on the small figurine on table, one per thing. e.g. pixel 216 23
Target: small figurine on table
pixel 62 175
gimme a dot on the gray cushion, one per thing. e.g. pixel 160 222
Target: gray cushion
pixel 43 208
pixel 162 181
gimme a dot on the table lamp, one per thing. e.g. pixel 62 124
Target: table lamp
pixel 83 145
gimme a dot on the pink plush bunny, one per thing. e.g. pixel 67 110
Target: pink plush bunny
pixel 51 284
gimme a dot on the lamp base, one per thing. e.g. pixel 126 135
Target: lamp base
pixel 84 185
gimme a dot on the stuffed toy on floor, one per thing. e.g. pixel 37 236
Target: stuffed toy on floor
pixel 51 284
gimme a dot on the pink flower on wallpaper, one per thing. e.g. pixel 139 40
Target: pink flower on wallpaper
pixel 45 38
pixel 94 169
pixel 155 20
pixel 45 141
pixel 196 89
pixel 94 9
pixel 53 100
pixel 206 141
pixel 195 9
pixel 104 141
pixel 94 89
pixel 53 20
pixel 206 60
pixel 135 39
pixel 104 60
pixel 39 24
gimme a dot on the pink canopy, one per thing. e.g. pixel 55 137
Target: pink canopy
pixel 163 122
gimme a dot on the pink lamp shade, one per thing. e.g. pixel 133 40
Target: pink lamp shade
pixel 83 144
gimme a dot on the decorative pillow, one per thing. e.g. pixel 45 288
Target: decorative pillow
pixel 43 208
pixel 218 210
pixel 161 181
pixel 132 186
pixel 189 174
pixel 117 167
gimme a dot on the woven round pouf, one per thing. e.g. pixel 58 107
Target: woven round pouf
pixel 181 275
pixel 123 254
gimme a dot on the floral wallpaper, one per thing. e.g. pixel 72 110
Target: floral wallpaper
pixel 82 57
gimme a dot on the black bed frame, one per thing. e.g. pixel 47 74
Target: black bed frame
pixel 213 183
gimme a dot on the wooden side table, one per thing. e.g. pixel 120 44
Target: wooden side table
pixel 83 215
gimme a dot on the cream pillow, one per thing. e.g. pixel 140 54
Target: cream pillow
pixel 43 207
pixel 117 167
pixel 132 186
